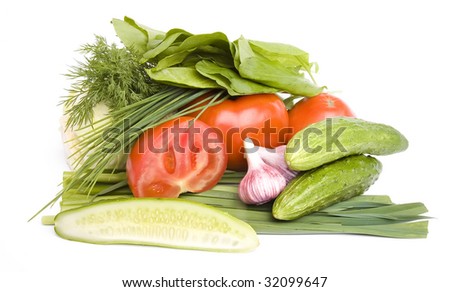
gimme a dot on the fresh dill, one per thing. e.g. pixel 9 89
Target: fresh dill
pixel 108 74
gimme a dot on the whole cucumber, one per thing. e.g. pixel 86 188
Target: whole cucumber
pixel 337 137
pixel 326 185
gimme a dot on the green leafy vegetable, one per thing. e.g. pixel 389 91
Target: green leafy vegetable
pixel 273 69
pixel 182 77
pixel 172 38
pixel 287 55
pixel 230 79
pixel 241 67
pixel 194 45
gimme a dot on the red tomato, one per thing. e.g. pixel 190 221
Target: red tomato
pixel 311 110
pixel 261 117
pixel 178 156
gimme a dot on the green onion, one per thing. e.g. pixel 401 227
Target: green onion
pixel 101 146
pixel 374 215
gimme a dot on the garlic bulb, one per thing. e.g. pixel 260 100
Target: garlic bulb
pixel 275 158
pixel 264 181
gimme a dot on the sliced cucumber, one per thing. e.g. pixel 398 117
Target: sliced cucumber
pixel 175 223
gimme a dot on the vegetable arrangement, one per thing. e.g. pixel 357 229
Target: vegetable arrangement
pixel 198 150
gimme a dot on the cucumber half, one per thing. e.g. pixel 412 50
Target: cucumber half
pixel 175 223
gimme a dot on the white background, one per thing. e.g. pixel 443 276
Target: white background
pixel 389 60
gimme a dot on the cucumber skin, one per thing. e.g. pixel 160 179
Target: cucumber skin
pixel 358 137
pixel 326 185
pixel 242 228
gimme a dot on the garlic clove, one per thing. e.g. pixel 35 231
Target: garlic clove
pixel 261 185
pixel 275 158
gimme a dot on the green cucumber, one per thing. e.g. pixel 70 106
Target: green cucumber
pixel 326 185
pixel 337 137
pixel 175 223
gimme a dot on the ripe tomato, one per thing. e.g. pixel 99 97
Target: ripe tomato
pixel 314 109
pixel 261 117
pixel 175 157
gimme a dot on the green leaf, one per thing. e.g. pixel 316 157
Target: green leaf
pixel 213 43
pixel 272 74
pixel 235 53
pixel 257 67
pixel 182 77
pixel 218 58
pixel 172 60
pixel 172 36
pixel 136 37
pixel 230 79
pixel 130 36
pixel 287 55
pixel 216 39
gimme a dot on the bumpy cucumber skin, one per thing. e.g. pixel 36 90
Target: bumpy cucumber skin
pixel 326 185
pixel 96 223
pixel 357 137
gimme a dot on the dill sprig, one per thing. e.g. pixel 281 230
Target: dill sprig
pixel 108 74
